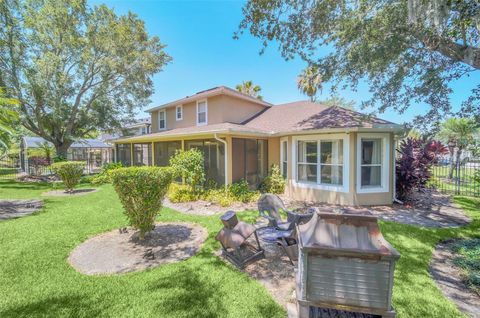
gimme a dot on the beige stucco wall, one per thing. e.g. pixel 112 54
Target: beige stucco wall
pixel 221 109
pixel 350 197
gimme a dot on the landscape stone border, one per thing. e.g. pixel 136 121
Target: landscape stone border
pixel 62 193
pixel 10 209
pixel 120 251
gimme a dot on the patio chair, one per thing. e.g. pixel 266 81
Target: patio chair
pixel 270 206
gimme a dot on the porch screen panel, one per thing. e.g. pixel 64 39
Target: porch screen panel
pixel 124 154
pixel 250 160
pixel 214 158
pixel 238 159
pixel 142 154
pixel 164 151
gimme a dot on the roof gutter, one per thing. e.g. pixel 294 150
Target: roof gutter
pixel 225 157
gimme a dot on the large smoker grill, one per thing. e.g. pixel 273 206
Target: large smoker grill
pixel 345 264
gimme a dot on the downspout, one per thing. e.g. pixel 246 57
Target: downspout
pixel 226 159
pixel 395 172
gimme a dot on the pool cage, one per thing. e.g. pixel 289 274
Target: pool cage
pixel 95 153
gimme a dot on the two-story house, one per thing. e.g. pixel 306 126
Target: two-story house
pixel 327 154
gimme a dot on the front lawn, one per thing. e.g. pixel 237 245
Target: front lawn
pixel 36 279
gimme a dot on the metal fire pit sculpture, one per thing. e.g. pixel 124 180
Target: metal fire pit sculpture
pixel 233 238
pixel 344 263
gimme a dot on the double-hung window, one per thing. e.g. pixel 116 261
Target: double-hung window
pixel 321 163
pixel 202 112
pixel 372 163
pixel 179 112
pixel 162 120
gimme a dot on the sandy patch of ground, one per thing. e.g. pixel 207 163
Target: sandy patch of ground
pixel 120 251
pixel 201 207
pixel 62 193
pixel 428 209
pixel 10 209
pixel 449 280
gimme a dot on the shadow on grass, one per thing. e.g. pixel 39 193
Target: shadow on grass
pixel 189 294
pixel 66 306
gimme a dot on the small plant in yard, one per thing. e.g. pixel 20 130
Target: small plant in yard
pixel 178 193
pixel 141 191
pixel 468 259
pixel 241 192
pixel 274 182
pixel 37 164
pixel 190 166
pixel 70 172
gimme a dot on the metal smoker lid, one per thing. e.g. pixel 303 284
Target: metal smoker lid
pixel 345 234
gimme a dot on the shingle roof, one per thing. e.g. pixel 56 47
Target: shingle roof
pixel 306 115
pixel 219 90
pixel 282 119
pixel 35 142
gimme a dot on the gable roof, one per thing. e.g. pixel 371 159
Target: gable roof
pixel 307 115
pixel 219 90
pixel 35 142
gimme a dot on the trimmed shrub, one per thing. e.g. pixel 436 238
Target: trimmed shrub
pixel 274 182
pixel 70 172
pixel 189 165
pixel 105 175
pixel 141 191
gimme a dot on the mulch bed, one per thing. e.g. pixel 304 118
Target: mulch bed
pixel 121 251
pixel 62 193
pixel 10 209
pixel 449 279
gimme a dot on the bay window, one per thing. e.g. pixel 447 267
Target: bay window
pixel 372 161
pixel 321 162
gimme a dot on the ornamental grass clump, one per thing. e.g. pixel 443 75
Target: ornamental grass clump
pixel 141 191
pixel 69 172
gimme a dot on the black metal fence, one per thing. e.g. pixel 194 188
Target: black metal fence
pixel 13 167
pixel 461 178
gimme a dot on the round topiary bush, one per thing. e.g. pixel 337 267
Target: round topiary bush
pixel 70 172
pixel 141 191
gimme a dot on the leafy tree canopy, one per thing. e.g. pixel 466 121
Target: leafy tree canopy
pixel 407 51
pixel 8 119
pixel 73 68
pixel 336 100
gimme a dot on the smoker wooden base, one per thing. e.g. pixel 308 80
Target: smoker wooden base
pixel 323 310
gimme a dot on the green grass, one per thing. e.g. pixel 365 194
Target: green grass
pixel 36 280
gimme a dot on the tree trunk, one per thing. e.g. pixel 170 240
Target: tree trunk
pixel 61 149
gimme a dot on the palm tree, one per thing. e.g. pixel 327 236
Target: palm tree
pixel 458 133
pixel 8 116
pixel 249 88
pixel 310 81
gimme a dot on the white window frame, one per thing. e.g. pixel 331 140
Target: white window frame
pixel 181 113
pixel 283 144
pixel 206 112
pixel 164 119
pixel 385 163
pixel 346 167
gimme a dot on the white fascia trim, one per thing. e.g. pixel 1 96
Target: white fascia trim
pixel 181 112
pixel 346 158
pixel 385 178
pixel 164 118
pixel 282 141
pixel 206 112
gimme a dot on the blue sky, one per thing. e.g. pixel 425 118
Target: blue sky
pixel 198 35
